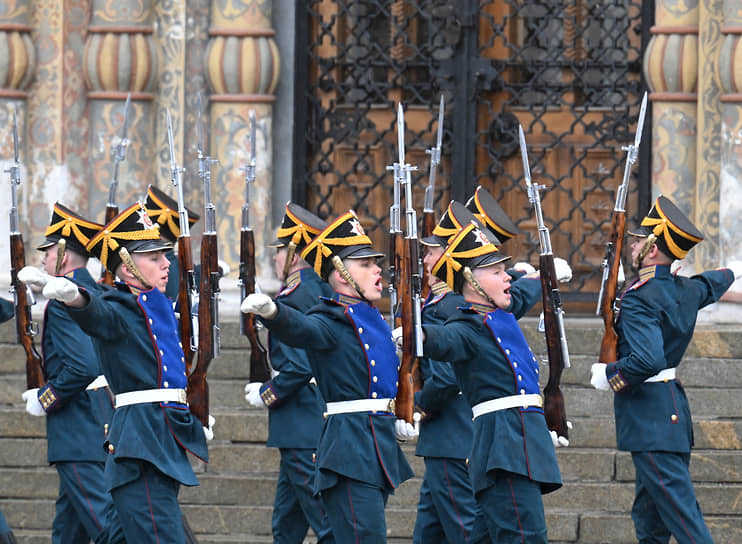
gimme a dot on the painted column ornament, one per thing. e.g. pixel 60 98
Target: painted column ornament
pixel 243 67
pixel 671 71
pixel 730 70
pixel 120 58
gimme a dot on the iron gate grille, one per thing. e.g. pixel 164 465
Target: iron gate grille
pixel 569 72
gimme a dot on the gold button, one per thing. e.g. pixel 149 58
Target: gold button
pixel 373 362
pixel 110 448
pixel 366 346
pixel 375 379
pixel 314 457
pixel 144 298
pixel 674 417
pixel 374 395
pixel 360 330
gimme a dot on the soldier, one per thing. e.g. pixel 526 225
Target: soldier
pixel 654 326
pixel 163 211
pixel 75 399
pixel 512 460
pixel 447 510
pixel 350 348
pixel 135 331
pixel 292 396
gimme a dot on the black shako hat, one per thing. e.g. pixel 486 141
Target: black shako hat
pixel 75 230
pixel 343 238
pixel 675 234
pixel 450 223
pixel 484 206
pixel 131 229
pixel 299 227
pixel 470 248
pixel 163 210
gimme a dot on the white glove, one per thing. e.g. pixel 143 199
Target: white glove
pixel 405 431
pixel 562 270
pixel 33 277
pixel 33 406
pixel 260 304
pixel 524 267
pixel 734 266
pixel 560 441
pixel 252 394
pixel 621 278
pixel 397 337
pixel 61 289
pixel 209 431
pixel 599 379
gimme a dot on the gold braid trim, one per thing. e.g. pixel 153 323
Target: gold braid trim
pixel 69 226
pixel 290 252
pixel 129 262
pixel 165 216
pixel 61 247
pixel 340 267
pixel 469 277
pixel 651 241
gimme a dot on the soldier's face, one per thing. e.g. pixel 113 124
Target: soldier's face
pixel 430 257
pixel 49 259
pixel 495 282
pixel 279 261
pixel 637 244
pixel 367 275
pixel 154 267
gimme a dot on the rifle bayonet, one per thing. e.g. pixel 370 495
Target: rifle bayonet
pixel 435 159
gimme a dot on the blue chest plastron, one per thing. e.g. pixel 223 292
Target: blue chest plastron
pixel 381 355
pixel 163 330
pixel 523 363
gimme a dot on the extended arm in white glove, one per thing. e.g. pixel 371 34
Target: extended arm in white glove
pixel 252 394
pixel 524 267
pixel 63 290
pixel 33 406
pixel 260 304
pixel 560 441
pixel 33 277
pixel 599 379
pixel 562 269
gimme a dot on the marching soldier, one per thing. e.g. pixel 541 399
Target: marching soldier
pixel 135 331
pixel 163 211
pixel 653 421
pixel 75 399
pixel 512 460
pixel 353 357
pixel 292 396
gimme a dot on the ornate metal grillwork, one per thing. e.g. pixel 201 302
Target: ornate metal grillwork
pixel 569 72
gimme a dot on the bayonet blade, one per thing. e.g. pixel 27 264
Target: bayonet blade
pixel 400 134
pixel 16 155
pixel 524 155
pixel 439 139
pixel 640 122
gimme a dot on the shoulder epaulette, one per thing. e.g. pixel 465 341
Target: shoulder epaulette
pixel 292 282
pixel 637 284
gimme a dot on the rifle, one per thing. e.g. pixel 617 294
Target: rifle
pixel 409 286
pixel 612 260
pixel 187 292
pixel 435 159
pixel 556 340
pixel 208 291
pixel 23 298
pixel 260 370
pixel 119 156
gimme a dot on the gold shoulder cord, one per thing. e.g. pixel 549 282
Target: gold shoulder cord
pixel 469 277
pixel 290 252
pixel 129 262
pixel 651 240
pixel 340 267
pixel 61 247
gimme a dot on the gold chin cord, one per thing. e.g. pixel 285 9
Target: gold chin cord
pixel 129 262
pixel 340 267
pixel 651 240
pixel 290 252
pixel 61 248
pixel 469 277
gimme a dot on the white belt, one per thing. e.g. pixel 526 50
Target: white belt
pixel 151 395
pixel 513 401
pixel 667 374
pixel 97 383
pixel 360 405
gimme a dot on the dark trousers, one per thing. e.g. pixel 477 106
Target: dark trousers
pixel 665 501
pixel 147 508
pixel 514 509
pixel 84 504
pixel 356 511
pixel 295 507
pixel 447 511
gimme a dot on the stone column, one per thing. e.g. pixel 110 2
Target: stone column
pixel 671 71
pixel 120 58
pixel 243 67
pixel 17 65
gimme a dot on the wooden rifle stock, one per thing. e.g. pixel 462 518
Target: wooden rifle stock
pixel 260 370
pixel 198 388
pixel 554 410
pixel 609 343
pixel 111 212
pixel 24 326
pixel 185 285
